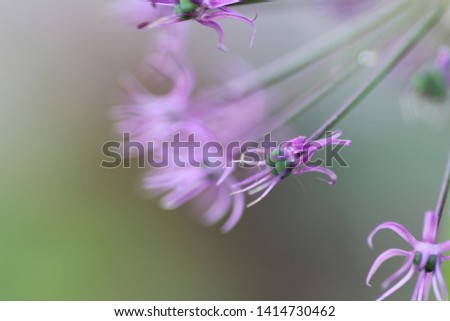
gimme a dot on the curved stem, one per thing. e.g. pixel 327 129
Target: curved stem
pixel 409 41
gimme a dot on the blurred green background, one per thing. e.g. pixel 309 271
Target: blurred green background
pixel 70 230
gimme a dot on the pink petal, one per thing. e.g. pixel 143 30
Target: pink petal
pixel 397 286
pixel 444 247
pixel 418 287
pixel 441 282
pixel 398 273
pixel 219 30
pixel 328 172
pixel 236 213
pixel 218 209
pixel 386 255
pixel 397 228
pixel 430 224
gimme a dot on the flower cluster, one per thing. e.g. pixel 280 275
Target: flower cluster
pixel 237 110
pixel 149 117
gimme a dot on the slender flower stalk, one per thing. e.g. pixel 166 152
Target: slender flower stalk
pixel 263 182
pixel 443 193
pixel 409 41
pixel 303 57
pixel 426 256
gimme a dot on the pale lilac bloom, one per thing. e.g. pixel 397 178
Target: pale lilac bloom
pixel 292 157
pixel 425 257
pixel 206 12
pixel 149 117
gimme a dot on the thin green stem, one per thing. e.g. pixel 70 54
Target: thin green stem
pixel 330 84
pixel 444 192
pixel 409 41
pixel 306 55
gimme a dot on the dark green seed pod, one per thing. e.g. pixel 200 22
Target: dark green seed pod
pixel 270 160
pixel 185 7
pixel 431 263
pixel 280 167
pixel 417 258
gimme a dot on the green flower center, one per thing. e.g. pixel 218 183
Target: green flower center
pixel 185 8
pixel 430 83
pixel 430 265
pixel 280 165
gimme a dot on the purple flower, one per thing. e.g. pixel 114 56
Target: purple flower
pixel 156 119
pixel 206 12
pixel 425 257
pixel 149 117
pixel 292 157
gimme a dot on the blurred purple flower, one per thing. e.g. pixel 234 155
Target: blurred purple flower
pixel 292 157
pixel 198 184
pixel 206 12
pixel 425 257
pixel 151 118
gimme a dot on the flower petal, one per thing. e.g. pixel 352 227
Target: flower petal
pixel 430 224
pixel 218 209
pixel 236 213
pixel 214 25
pixel 272 184
pixel 397 228
pixel 418 287
pixel 397 273
pixel 254 178
pixel 441 282
pixel 397 286
pixel 436 289
pixel 328 172
pixel 226 173
pixel 426 286
pixel 231 14
pixel 382 258
pixel 444 247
